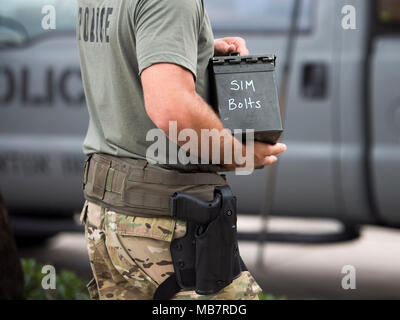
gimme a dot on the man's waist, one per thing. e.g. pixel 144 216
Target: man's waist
pixel 136 187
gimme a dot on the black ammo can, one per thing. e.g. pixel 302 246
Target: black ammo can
pixel 245 96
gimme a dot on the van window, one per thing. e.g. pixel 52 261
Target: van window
pixel 257 15
pixel 21 20
pixel 389 12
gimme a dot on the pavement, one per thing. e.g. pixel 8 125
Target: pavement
pixel 295 271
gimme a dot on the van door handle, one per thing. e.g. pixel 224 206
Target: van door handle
pixel 314 80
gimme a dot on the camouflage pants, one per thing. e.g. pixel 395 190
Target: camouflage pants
pixel 130 257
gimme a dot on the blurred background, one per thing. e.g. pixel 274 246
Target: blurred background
pixel 334 198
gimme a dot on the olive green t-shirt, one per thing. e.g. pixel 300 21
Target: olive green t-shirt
pixel 117 40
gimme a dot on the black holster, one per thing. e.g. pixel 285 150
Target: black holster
pixel 207 258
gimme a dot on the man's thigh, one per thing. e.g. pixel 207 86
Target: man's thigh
pixel 129 256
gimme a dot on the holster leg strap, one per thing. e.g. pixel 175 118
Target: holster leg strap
pixel 170 287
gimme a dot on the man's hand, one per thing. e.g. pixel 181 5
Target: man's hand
pixel 265 154
pixel 223 46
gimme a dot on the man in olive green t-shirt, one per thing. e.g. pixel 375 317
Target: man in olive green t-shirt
pixel 144 64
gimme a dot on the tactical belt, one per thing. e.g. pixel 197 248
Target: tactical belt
pixel 207 258
pixel 135 187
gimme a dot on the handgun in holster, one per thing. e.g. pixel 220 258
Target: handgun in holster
pixel 207 258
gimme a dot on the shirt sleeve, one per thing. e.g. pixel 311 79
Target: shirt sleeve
pixel 167 31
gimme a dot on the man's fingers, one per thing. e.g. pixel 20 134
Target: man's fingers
pixel 226 45
pixel 274 149
pixel 223 48
pixel 241 46
pixel 243 51
pixel 230 48
pixel 269 160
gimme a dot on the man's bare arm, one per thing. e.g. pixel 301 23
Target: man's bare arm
pixel 170 95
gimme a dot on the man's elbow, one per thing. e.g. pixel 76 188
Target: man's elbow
pixel 167 110
pixel 161 121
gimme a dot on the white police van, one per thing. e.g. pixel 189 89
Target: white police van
pixel 342 123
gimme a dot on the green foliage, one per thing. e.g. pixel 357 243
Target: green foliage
pixel 263 296
pixel 68 285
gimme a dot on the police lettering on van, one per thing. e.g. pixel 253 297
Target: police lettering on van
pixel 18 82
